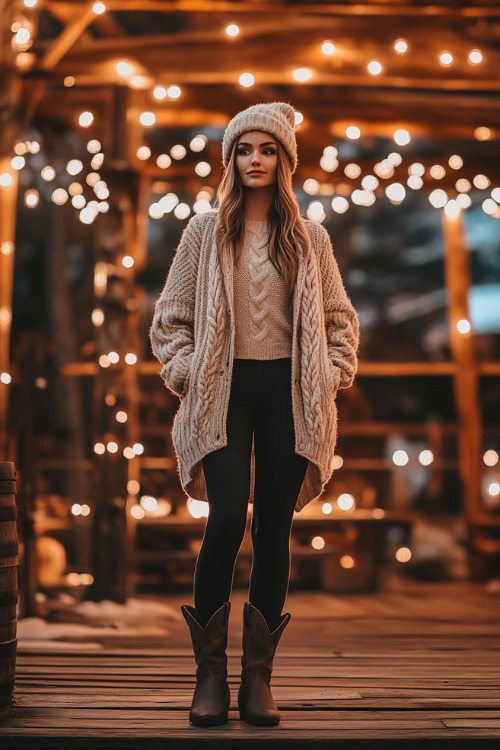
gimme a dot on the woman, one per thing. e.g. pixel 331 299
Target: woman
pixel 256 334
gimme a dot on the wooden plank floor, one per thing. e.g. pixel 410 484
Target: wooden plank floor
pixel 413 668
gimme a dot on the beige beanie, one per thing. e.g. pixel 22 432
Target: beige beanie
pixel 276 118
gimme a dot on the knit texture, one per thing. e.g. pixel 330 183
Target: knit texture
pixel 277 118
pixel 262 308
pixel 192 334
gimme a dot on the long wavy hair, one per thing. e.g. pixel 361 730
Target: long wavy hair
pixel 289 240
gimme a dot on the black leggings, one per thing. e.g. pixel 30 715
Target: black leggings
pixel 260 410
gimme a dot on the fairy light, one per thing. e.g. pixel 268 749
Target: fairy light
pixel 394 158
pixel 127 261
pixel 113 357
pixel 490 458
pixel 148 502
pixel 347 562
pixel 352 171
pixel 494 489
pixel 18 162
pixel 403 555
pixel 104 362
pixel 164 161
pixel 315 211
pixel 495 194
pixel 415 182
pixel 110 399
pixel 124 68
pixel 138 449
pixel 48 173
pixel 340 204
pixel 78 201
pixel 456 162
pixel 97 317
pixel 121 417
pixel 232 30
pixel 159 93
pixel 5 316
pixel 174 92
pixel 143 153
pixel 363 197
pixel 147 119
pixel 97 161
pixel 353 132
pixel 384 169
pixel 137 512
pixel 462 185
pixel 437 172
pixel 6 179
pixel 483 133
pixel 327 508
pixel 201 206
pixel 86 119
pixel 298 117
pixel 463 200
pixel 370 182
pixel 475 56
pixel 426 457
pixel 59 197
pixel 69 81
pixel 197 508
pixel 203 169
pixel 30 3
pixel 5 378
pixel 182 211
pixel 99 449
pixel 112 446
pixel 374 68
pixel 198 143
pixel 345 501
pixel 131 358
pixel 311 186
pixel 481 182
pixel 7 248
pixel 402 137
pixel 178 151
pixel 168 202
pixel 20 148
pixel 489 206
pixel 31 198
pixel 317 542
pixel 401 46
pixel 128 453
pixel 99 8
pixel 400 458
pixel 445 58
pixel 396 192
pixel 328 48
pixel 463 326
pixel 246 80
pixel 302 75
pixel 133 487
pixel 74 167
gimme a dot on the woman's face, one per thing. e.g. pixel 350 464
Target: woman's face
pixel 257 159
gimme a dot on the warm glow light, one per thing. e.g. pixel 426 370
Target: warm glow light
pixel 353 132
pixel 395 192
pixel 86 119
pixel 302 75
pixel 494 489
pixel 31 198
pixel 338 461
pixel 311 186
pixel 137 512
pixel 197 508
pixel 113 357
pixel 99 8
pixel 148 502
pixel 317 542
pixel 6 179
pixel 490 458
pixel 438 198
pixel 128 453
pixel 456 162
pixel 374 68
pixel 30 3
pixel 345 501
pixel 127 261
pixel 326 508
pixel 298 117
pixel 104 361
pixel 97 317
pixel 400 457
pixel 246 80
pixel 5 378
pixel 48 173
pixel 481 182
pixel 174 92
pixel 437 172
pixel 328 48
pixel 402 137
pixel 178 151
pixel 495 194
pixel 475 56
pixel 426 457
pixel 463 326
pixel 143 153
pixel 159 92
pixel 489 206
pixel 133 486
pixel 415 182
pixel 7 248
pixel 182 211
pixel 463 201
pixel 452 209
pixel 198 143
pixel 131 358
pixel 112 446
pixel 370 182
pixel 99 448
pixel 124 68
pixel 446 58
pixel 203 168
pixel 78 201
pixel 347 562
pixel 340 206
pixel 164 161
pixel 401 46
pixel 147 119
pixel 384 169
pixel 121 417
pixel 74 167
pixel 17 162
pixel 59 196
pixel 403 555
pixel 483 134
pixel 138 449
pixel 69 81
pixel 315 211
pixel 352 170
pixel 463 185
pixel 232 30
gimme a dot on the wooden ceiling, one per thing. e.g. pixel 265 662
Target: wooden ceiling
pixel 184 43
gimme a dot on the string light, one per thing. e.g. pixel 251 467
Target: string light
pixel 328 48
pixel 352 171
pixel 396 192
pixel 143 153
pixel 69 81
pixel 340 204
pixel 203 169
pixel 347 562
pixel 246 80
pixel 178 151
pixel 463 185
pixel 481 182
pixel 438 198
pixel 302 75
pixel 131 358
pixel 374 68
pixel 353 132
pixel 164 161
pixel 452 209
pixel 490 458
pixel 147 119
pixel 494 489
pixel 317 542
pixel 416 169
pixel 198 143
pixel 18 162
pixel 345 501
pixel 400 458
pixel 127 261
pixel 6 179
pixel 426 457
pixel 437 172
pixel 327 508
pixel 456 162
pixel 99 8
pixel 298 117
pixel 124 68
pixel 159 92
pixel 5 378
pixel 475 57
pixel 232 30
pixel 31 198
pixel 74 167
pixel 86 119
pixel 403 555
pixel 174 92
pixel 483 134
pixel 489 206
pixel 463 326
pixel 402 137
pixel 445 58
pixel 401 46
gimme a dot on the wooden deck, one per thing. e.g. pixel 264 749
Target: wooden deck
pixel 413 668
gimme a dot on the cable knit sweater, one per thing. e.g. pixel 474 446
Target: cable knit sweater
pixel 262 308
pixel 193 336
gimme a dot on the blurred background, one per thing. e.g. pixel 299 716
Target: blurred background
pixel 112 115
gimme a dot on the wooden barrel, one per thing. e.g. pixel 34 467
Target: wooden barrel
pixel 9 562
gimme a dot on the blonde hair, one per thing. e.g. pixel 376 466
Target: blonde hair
pixel 288 237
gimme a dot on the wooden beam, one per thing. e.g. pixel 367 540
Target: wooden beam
pixel 65 41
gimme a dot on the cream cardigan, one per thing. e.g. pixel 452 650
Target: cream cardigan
pixel 192 335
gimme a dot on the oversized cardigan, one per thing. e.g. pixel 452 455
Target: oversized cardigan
pixel 192 336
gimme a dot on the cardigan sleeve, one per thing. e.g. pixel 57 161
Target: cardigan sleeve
pixel 341 319
pixel 172 329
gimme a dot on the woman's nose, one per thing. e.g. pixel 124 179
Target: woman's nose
pixel 255 158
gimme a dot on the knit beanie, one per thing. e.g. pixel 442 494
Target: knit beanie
pixel 276 118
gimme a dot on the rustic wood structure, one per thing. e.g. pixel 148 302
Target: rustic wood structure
pixel 118 61
pixel 415 668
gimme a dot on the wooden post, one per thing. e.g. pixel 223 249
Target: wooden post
pixel 466 379
pixel 8 199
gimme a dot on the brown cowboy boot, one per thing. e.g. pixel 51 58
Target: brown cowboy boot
pixel 211 697
pixel 255 701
